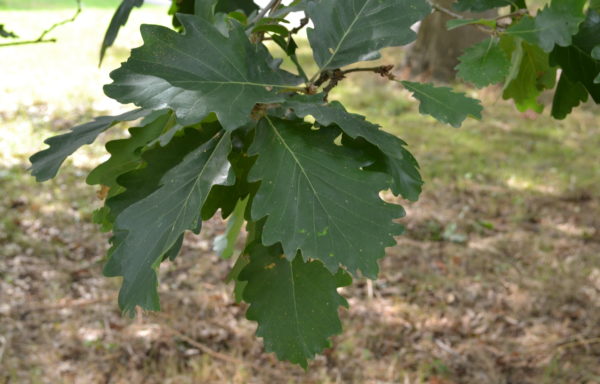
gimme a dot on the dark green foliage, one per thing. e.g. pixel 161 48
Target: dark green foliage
pixel 294 302
pixel 225 129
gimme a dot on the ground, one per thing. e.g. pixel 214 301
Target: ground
pixel 497 279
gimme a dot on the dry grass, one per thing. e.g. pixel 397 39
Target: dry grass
pixel 497 279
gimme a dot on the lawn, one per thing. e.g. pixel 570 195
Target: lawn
pixel 497 279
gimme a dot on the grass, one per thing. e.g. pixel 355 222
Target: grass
pixel 496 280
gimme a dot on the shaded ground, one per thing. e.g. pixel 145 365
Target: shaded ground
pixel 497 279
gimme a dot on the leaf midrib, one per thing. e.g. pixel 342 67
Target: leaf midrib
pixel 345 35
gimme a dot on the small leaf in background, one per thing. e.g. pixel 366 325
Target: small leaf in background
pixel 224 245
pixel 349 31
pixel 484 63
pixel 295 303
pixel 554 25
pixel 443 104
pixel 45 164
pixel 535 75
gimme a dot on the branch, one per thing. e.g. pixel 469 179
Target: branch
pixel 383 70
pixel 337 75
pixel 455 15
pixel 303 23
pixel 263 12
pixel 41 38
pixel 448 12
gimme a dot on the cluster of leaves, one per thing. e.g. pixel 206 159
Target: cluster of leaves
pixel 223 127
pixel 524 52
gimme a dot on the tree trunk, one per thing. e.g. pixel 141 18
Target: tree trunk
pixel 435 53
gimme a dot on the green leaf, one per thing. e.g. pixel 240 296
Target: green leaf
pixel 318 199
pixel 457 23
pixel 577 61
pixel 45 164
pixel 142 182
pixel 595 5
pixel 125 153
pixel 289 46
pixel 480 5
pixel 224 245
pixel 596 55
pixel 226 6
pixel 200 72
pixel 553 25
pixel 512 47
pixel 118 20
pixel 355 30
pixel 535 75
pixel 484 63
pixel 567 96
pixel 295 303
pixel 171 209
pixel 443 104
pixel 399 162
pixel 7 34
pixel 225 198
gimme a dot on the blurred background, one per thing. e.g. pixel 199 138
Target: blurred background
pixel 497 279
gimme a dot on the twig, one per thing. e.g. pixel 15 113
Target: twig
pixel 41 38
pixel 455 15
pixel 209 351
pixel 383 70
pixel 448 12
pixel 520 12
pixel 303 23
pixel 263 12
pixel 337 75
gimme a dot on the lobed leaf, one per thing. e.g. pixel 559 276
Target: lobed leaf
pixel 577 61
pixel 139 247
pixel 126 153
pixel 484 63
pixel 144 181
pixel 200 72
pixel 535 74
pixel 45 164
pixel 399 162
pixel 567 96
pixel 355 30
pixel 294 302
pixel 317 199
pixel 553 25
pixel 443 104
